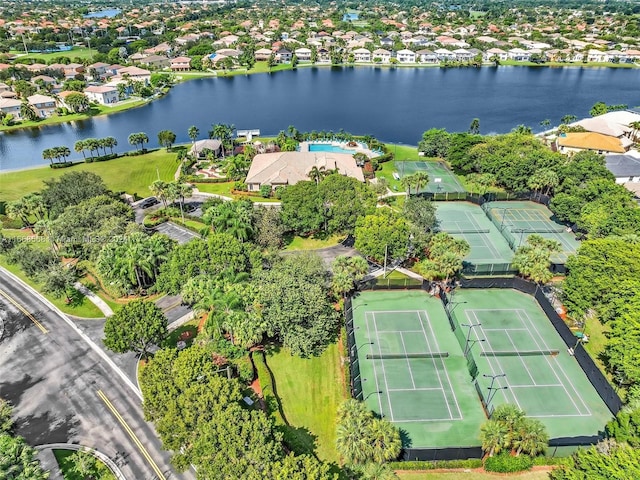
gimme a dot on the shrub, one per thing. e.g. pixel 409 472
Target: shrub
pixel 61 165
pixel 240 186
pixel 265 191
pixel 152 221
pixel 416 465
pixel 197 179
pixel 505 463
pixel 244 369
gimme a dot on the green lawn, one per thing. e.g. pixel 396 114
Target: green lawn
pixel 470 475
pixel 191 327
pixel 312 243
pixel 76 52
pixel 94 111
pixel 597 341
pixel 309 390
pixel 404 152
pixel 79 307
pixel 225 189
pixel 66 467
pixel 386 172
pixel 129 174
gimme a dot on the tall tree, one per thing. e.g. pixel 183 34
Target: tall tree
pixel 135 327
pixel 71 189
pixel 166 138
pixel 534 259
pixel 18 460
pixel 384 233
pixel 193 133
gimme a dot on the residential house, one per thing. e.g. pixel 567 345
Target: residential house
pixel 10 106
pixel 381 55
pixel 406 56
pixel 288 168
pixel 426 56
pixel 615 124
pixel 361 55
pixel 73 69
pixel 580 141
pixel 633 56
pixel 463 55
pixel 97 70
pixel 46 81
pixel 44 105
pixel 283 55
pixel 104 95
pixel 303 54
pixel 625 168
pixel 447 41
pixel 181 64
pixel 4 87
pixel 262 54
pixel 492 53
pixel 136 74
pixel 160 49
pixel 156 61
pixel 137 57
pixel 445 55
pixel 519 55
pixel 38 67
pixel 386 42
pixel 200 148
pixel 598 56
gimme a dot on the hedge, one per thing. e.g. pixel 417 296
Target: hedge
pixel 506 463
pixel 102 158
pixel 61 165
pixel 415 465
pixel 198 179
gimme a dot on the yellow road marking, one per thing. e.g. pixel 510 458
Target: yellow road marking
pixel 133 436
pixel 23 310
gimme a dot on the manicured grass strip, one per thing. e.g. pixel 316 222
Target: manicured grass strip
pixel 471 475
pixel 66 467
pixel 125 174
pixel 310 390
pixel 76 52
pixel 225 189
pixel 404 152
pixel 80 305
pixel 312 243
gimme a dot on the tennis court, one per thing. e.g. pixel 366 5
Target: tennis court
pixel 517 220
pixel 413 371
pixel 468 221
pixel 436 170
pixel 522 360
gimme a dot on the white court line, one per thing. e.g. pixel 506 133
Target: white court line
pixel 444 367
pixel 413 389
pixel 538 385
pixel 375 373
pixel 484 237
pixel 533 381
pixel 504 329
pixel 404 347
pixel 399 331
pixel 554 369
pixel 386 384
pixel 493 370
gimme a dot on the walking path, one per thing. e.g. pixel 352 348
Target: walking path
pixel 93 298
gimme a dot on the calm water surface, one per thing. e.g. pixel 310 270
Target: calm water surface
pixel 393 105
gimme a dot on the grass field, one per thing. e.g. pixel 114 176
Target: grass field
pixel 471 475
pixel 125 174
pixel 312 243
pixel 76 52
pixel 310 390
pixel 66 467
pixel 225 189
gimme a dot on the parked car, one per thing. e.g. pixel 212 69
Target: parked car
pixel 148 202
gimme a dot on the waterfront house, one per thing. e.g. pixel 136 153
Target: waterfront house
pixel 283 55
pixel 102 94
pixel 181 64
pixel 598 56
pixel 519 55
pixel 288 168
pixel 383 55
pixel 573 142
pixel 10 106
pixel 44 105
pixel 492 53
pixel 463 55
pixel 200 148
pixel 303 54
pixel 155 61
pixel 406 56
pixel 262 54
pixel 136 74
pixel 445 55
pixel 361 55
pixel 426 56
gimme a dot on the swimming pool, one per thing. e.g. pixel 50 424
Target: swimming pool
pixel 327 147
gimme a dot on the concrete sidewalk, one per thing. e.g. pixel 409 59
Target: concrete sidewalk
pixel 93 298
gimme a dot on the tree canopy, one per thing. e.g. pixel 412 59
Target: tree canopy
pixel 384 231
pixel 135 327
pixel 71 189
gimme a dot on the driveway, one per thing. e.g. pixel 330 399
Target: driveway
pixel 176 232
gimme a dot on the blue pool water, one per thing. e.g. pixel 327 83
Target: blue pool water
pixel 325 147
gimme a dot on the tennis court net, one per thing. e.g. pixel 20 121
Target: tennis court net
pixel 516 353
pixel 538 230
pixel 467 230
pixel 398 356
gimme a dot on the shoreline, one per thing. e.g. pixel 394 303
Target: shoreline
pixel 224 74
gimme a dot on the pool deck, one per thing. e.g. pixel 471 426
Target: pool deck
pixel 304 147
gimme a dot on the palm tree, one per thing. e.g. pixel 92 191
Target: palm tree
pixel 532 438
pixel 351 439
pixel 111 142
pixel 47 154
pixel 193 133
pixel 420 179
pixel 377 471
pixel 65 152
pixel 18 209
pixel 493 435
pixel 635 126
pixel 159 189
pixel 79 146
pixel 316 174
pixel 28 111
pixel 407 183
pixel 386 443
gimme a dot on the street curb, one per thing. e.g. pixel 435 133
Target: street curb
pixel 82 335
pixel 101 456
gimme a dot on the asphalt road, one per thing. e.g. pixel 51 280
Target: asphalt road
pixel 64 391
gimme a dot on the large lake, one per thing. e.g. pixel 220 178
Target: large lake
pixel 394 105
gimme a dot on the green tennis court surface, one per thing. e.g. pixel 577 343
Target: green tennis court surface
pixel 467 220
pixel 422 396
pixel 518 220
pixel 436 170
pixel 522 360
